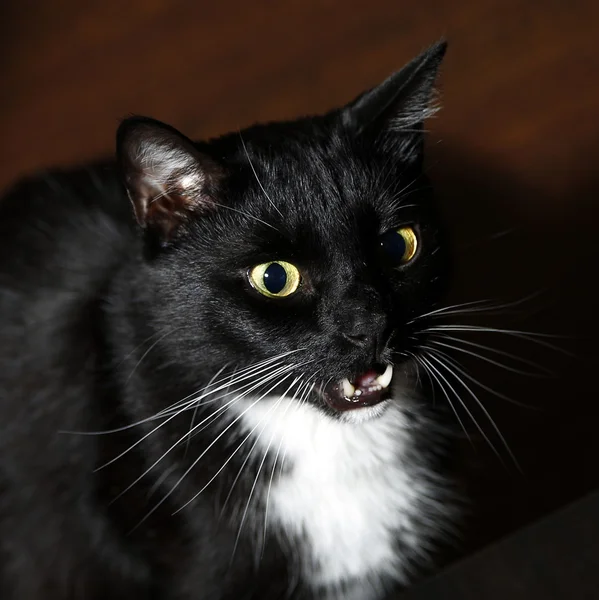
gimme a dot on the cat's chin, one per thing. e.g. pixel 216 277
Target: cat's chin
pixel 365 414
pixel 366 393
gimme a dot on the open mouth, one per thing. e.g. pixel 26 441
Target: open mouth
pixel 367 389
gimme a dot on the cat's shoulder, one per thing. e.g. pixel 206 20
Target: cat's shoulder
pixel 62 227
pixel 62 195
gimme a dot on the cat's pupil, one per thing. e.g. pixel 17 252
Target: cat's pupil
pixel 275 278
pixel 394 245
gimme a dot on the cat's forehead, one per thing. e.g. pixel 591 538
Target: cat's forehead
pixel 322 176
pixel 313 206
pixel 308 190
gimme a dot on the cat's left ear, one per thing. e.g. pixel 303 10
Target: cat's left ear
pixel 395 110
pixel 168 180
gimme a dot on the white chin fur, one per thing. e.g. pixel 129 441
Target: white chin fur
pixel 365 413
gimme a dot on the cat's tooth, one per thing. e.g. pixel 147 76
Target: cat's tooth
pixel 348 388
pixel 385 379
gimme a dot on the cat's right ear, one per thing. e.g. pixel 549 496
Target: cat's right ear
pixel 168 180
pixel 393 112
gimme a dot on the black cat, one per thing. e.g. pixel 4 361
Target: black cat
pixel 216 399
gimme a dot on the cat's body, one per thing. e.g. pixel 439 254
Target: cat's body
pixel 283 487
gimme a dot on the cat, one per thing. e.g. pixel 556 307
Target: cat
pixel 207 362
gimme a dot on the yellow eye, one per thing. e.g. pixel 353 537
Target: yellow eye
pixel 400 245
pixel 275 279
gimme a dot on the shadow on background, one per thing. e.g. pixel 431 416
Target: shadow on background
pixel 548 267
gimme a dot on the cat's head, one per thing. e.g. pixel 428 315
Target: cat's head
pixel 312 245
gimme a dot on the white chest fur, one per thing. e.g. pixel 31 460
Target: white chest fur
pixel 345 491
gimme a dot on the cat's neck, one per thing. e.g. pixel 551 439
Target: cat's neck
pixel 329 473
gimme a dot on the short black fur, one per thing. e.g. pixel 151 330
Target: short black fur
pixel 109 316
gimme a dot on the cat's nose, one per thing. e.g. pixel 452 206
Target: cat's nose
pixel 364 331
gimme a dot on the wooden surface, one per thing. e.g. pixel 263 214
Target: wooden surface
pixel 553 559
pixel 514 154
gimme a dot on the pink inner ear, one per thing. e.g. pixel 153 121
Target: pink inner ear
pixel 168 180
pixel 167 212
pixel 167 203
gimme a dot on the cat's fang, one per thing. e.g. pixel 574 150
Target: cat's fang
pixel 348 388
pixel 385 379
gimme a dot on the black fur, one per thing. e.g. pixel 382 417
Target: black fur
pixel 106 320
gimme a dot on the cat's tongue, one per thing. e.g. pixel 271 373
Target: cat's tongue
pixel 367 389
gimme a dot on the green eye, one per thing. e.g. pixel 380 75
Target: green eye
pixel 400 245
pixel 276 279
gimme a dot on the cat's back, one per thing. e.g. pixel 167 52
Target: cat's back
pixel 62 235
pixel 60 232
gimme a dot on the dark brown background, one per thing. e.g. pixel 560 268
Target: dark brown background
pixel 513 153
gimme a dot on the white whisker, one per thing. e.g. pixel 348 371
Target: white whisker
pixel 195 412
pixel 537 338
pixel 231 456
pixel 467 375
pixel 453 307
pixel 442 363
pixel 176 413
pixel 258 471
pixel 192 399
pixel 239 472
pixel 218 437
pixel 462 308
pixel 256 176
pixel 245 214
pixel 222 409
pixel 239 375
pixel 432 376
pixel 163 477
pixel 145 354
pixel 490 360
pixel 463 404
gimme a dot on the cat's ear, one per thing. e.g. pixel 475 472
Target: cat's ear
pixel 401 103
pixel 168 180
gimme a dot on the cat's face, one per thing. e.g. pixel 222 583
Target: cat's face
pixel 314 241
